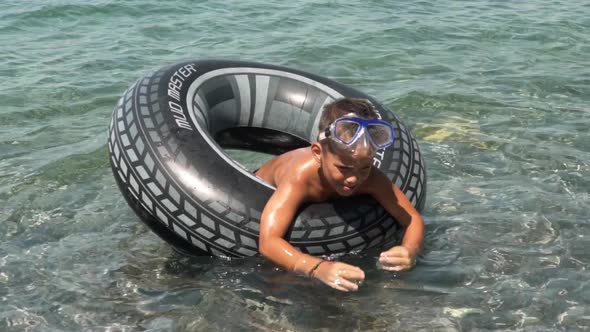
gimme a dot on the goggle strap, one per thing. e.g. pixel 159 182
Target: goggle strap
pixel 324 134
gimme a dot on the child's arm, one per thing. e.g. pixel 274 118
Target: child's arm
pixel 274 222
pixel 276 219
pixel 402 257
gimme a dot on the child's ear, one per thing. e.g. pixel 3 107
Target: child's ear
pixel 316 151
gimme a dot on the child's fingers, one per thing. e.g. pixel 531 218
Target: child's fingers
pixel 352 274
pixel 343 284
pixel 395 268
pixel 394 260
pixel 339 287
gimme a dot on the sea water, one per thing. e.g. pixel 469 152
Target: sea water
pixel 496 92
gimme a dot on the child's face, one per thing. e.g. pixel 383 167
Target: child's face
pixel 345 173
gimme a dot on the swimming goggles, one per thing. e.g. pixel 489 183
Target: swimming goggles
pixel 354 133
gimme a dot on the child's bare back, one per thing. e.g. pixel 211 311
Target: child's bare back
pixel 289 164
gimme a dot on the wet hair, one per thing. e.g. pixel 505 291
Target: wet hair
pixel 362 108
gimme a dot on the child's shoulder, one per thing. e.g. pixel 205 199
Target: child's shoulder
pixel 292 165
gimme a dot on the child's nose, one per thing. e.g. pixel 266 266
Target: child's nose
pixel 351 180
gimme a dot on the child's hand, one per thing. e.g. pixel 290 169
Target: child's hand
pixel 338 275
pixel 398 258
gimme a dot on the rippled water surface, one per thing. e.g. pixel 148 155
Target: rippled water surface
pixel 496 93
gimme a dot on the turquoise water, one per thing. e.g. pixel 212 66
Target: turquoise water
pixel 496 93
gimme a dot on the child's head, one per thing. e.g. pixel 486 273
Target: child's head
pixel 344 168
pixel 346 107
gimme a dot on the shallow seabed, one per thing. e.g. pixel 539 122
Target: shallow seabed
pixel 496 93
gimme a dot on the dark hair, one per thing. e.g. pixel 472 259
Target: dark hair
pixel 338 108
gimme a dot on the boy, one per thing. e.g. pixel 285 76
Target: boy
pixel 339 164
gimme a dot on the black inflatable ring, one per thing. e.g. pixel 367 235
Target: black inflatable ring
pixel 166 142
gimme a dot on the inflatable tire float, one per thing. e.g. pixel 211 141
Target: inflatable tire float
pixel 166 141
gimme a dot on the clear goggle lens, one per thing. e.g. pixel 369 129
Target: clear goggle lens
pixel 349 130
